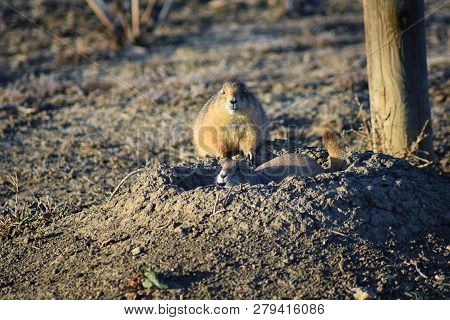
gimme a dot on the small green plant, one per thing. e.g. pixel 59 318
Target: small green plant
pixel 151 279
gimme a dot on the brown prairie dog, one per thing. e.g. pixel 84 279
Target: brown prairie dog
pixel 235 172
pixel 231 121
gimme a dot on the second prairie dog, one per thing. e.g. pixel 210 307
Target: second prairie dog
pixel 235 172
pixel 233 120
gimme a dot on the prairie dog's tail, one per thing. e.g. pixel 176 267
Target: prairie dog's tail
pixel 337 155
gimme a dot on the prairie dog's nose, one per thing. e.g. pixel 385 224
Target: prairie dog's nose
pixel 233 100
pixel 221 178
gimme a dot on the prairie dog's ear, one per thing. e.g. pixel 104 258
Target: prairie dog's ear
pixel 225 86
pixel 225 160
pixel 227 163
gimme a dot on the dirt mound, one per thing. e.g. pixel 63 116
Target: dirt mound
pixel 377 197
pixel 380 225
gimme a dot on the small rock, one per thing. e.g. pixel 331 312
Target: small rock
pixel 131 296
pixel 136 251
pixel 361 294
pixel 439 277
pixel 278 88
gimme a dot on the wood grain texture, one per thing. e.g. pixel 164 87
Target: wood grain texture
pixel 397 73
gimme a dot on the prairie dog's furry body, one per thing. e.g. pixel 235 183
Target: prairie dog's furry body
pixel 235 172
pixel 232 120
pixel 335 151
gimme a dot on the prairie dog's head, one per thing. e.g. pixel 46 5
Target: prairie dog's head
pixel 233 96
pixel 233 172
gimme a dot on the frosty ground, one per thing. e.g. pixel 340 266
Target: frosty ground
pixel 71 129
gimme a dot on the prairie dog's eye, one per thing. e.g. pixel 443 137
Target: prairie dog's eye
pixel 223 92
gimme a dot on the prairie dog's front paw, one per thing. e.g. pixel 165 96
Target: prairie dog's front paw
pixel 250 157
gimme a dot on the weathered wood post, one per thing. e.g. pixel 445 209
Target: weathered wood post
pixel 398 77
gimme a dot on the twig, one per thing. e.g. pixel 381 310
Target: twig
pixel 340 233
pixel 164 225
pixel 415 145
pixel 101 11
pixel 429 163
pixel 420 158
pixel 148 11
pixel 215 203
pixel 123 181
pixel 341 264
pixel 163 14
pixel 105 242
pixel 364 122
pixel 220 211
pixel 135 18
pixel 119 26
pixel 122 19
pixel 225 201
pixel 418 270
pixel 414 149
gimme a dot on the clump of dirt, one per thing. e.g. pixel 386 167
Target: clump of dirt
pixel 380 226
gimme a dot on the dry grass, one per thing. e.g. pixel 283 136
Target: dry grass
pixel 129 28
pixel 413 154
pixel 364 130
pixel 18 215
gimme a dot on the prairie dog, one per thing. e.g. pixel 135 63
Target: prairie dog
pixel 235 172
pixel 231 121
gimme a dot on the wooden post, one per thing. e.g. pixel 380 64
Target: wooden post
pixel 398 77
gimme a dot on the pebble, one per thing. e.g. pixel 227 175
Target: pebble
pixel 136 251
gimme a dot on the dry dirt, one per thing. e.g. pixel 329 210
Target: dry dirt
pixel 74 123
